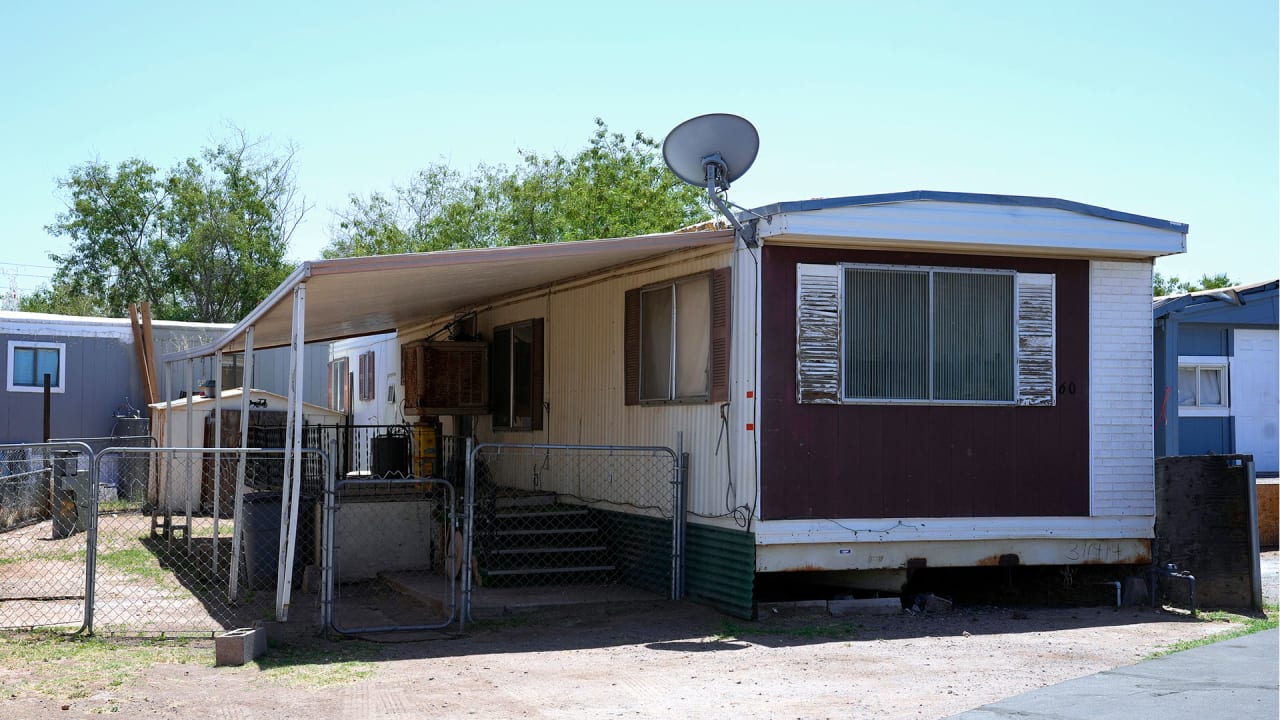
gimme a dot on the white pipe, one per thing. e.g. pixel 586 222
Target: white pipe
pixel 293 485
pixel 191 442
pixel 217 454
pixel 238 514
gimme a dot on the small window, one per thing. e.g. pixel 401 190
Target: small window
pixel 1202 386
pixel 340 385
pixel 517 376
pixel 675 346
pixel 366 382
pixel 30 362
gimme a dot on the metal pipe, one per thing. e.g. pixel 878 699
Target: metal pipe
pixel 190 442
pixel 217 455
pixel 468 528
pixel 236 529
pixel 294 483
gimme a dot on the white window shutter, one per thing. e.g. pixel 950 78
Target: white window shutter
pixel 817 333
pixel 1037 372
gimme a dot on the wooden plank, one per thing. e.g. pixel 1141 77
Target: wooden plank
pixel 140 349
pixel 150 342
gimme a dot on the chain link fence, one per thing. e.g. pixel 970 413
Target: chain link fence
pixel 45 506
pixel 186 557
pixel 570 521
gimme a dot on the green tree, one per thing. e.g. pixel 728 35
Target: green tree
pixel 1173 285
pixel 614 187
pixel 205 241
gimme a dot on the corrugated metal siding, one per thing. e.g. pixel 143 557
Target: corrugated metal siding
pixel 585 383
pixel 720 568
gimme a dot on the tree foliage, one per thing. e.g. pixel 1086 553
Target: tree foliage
pixel 205 241
pixel 614 187
pixel 1173 285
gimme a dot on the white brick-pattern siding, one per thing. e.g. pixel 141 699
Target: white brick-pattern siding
pixel 1120 402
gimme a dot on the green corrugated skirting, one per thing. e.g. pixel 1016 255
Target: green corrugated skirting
pixel 720 568
pixel 720 564
pixel 641 548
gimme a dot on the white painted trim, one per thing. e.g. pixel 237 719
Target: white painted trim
pixel 969 227
pixel 62 367
pixel 875 530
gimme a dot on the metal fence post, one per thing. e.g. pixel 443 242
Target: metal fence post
pixel 468 528
pixel 327 535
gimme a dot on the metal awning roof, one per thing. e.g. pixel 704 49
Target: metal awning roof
pixel 349 297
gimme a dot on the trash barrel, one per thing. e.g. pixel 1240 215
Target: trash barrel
pixel 260 521
pixel 132 470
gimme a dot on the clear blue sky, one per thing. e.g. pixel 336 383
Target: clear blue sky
pixel 1166 109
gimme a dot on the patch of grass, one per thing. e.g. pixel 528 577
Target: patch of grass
pixel 1248 625
pixel 136 561
pixel 834 630
pixel 320 663
pixel 52 665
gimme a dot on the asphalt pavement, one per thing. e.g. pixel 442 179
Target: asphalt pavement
pixel 1237 679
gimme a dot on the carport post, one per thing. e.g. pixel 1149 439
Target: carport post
pixel 245 384
pixel 217 452
pixel 293 482
pixel 186 493
pixel 163 490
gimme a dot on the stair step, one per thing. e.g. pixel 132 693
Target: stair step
pixel 548 531
pixel 526 500
pixel 550 550
pixel 548 571
pixel 541 514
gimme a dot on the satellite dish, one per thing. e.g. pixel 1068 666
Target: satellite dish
pixel 711 150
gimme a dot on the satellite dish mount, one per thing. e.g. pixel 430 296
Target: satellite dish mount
pixel 713 151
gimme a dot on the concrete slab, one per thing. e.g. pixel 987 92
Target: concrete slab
pixel 433 590
pixel 1239 679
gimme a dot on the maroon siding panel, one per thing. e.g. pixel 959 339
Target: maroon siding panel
pixel 921 461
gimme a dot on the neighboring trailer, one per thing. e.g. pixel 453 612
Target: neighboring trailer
pixel 1217 355
pixel 97 375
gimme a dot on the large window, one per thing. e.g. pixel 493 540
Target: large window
pixel 928 334
pixel 29 362
pixel 517 376
pixel 914 334
pixel 1202 386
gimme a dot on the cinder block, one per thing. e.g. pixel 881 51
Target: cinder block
pixel 239 646
pixel 870 606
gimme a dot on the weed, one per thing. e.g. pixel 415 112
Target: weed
pixel 1247 626
pixel 319 663
pixel 70 667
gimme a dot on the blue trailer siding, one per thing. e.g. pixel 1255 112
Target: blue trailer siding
pixel 1205 436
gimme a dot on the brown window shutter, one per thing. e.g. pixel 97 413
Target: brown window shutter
pixel 330 385
pixel 721 324
pixel 536 382
pixel 631 348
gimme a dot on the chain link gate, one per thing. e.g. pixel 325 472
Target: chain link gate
pixel 45 514
pixel 573 522
pixel 393 548
pixel 184 557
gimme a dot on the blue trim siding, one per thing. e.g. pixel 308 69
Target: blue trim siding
pixel 1206 436
pixel 973 198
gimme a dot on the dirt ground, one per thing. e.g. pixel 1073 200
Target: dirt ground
pixel 654 660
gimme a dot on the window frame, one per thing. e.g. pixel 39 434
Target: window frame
pixel 54 387
pixel 533 421
pixel 930 271
pixel 1199 364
